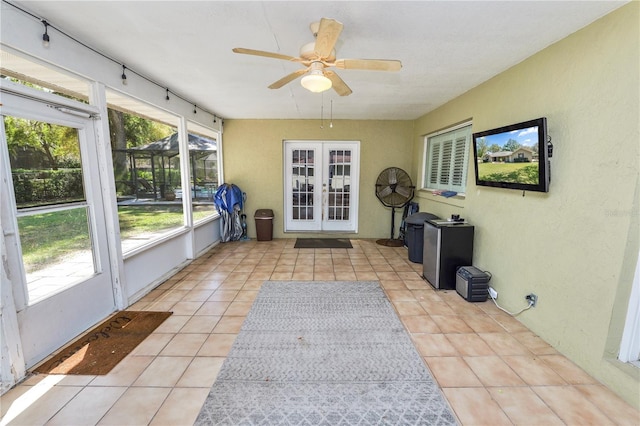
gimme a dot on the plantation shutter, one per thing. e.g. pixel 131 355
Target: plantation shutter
pixel 447 160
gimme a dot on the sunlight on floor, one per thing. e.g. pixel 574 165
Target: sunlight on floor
pixel 30 397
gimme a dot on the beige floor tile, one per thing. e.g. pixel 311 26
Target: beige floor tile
pixel 213 308
pixel 184 344
pixel 173 295
pixel 164 371
pixel 238 308
pixel 524 407
pixel 400 296
pixel 217 345
pixel 408 308
pixel 451 324
pixel 49 401
pixel 173 324
pixel 201 373
pixel 474 406
pixel 568 370
pixel 534 343
pixel 452 372
pixel 470 344
pixel 181 407
pixel 229 325
pixel 482 324
pixel 437 307
pixel 302 276
pixel 345 276
pixel 430 345
pixel 510 324
pixel 420 324
pixel 389 285
pixel 533 370
pixel 152 345
pixel 492 371
pixel 457 339
pixel 200 324
pixel 324 276
pixel 571 405
pixel 223 296
pixel 610 404
pixel 186 308
pixel 88 406
pixel 366 276
pixel 504 344
pixel 136 406
pixel 125 373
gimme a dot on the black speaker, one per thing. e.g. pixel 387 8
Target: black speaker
pixel 472 283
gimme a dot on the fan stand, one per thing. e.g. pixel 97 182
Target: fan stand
pixel 391 242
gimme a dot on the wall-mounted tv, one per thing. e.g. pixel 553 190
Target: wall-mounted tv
pixel 514 156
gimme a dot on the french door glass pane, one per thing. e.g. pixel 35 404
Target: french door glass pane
pixel 339 184
pixel 303 181
pixel 53 216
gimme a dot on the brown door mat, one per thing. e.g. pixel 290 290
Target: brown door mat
pixel 100 349
pixel 323 243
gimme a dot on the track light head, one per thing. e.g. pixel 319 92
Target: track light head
pixel 45 36
pixel 124 75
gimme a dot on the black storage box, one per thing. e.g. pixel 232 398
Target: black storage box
pixel 472 283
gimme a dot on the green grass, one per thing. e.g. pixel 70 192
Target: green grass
pixel 509 172
pixel 49 237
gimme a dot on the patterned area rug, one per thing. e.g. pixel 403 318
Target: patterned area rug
pixel 324 353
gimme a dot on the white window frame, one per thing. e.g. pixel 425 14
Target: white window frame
pixel 459 137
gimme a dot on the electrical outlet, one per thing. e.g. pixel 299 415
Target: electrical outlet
pixel 532 298
pixel 493 293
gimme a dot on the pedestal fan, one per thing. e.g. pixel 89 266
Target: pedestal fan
pixel 394 189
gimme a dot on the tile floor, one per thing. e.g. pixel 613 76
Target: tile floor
pixel 492 369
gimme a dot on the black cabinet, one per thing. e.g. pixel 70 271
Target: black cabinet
pixel 447 246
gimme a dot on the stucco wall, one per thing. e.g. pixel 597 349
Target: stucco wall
pixel 253 160
pixel 577 246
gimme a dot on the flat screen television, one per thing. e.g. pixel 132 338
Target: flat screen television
pixel 514 156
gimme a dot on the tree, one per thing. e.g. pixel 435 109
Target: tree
pixel 55 144
pixel 511 145
pixel 481 147
pixel 495 148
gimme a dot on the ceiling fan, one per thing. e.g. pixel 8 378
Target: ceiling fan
pixel 320 55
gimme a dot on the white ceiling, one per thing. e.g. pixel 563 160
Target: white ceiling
pixel 446 48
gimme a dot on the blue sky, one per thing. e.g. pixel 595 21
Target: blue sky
pixel 526 137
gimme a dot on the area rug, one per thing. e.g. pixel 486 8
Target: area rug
pixel 324 353
pixel 323 243
pixel 100 349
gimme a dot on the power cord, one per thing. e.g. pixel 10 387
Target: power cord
pixel 510 313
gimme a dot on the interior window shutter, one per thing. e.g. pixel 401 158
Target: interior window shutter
pixel 434 160
pixel 445 164
pixel 447 160
pixel 458 174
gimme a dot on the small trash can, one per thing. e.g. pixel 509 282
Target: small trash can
pixel 264 224
pixel 415 234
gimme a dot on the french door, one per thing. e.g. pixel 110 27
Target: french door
pixel 321 186
pixel 53 223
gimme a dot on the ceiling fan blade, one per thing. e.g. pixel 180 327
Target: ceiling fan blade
pixel 266 54
pixel 369 64
pixel 338 84
pixel 327 37
pixel 287 79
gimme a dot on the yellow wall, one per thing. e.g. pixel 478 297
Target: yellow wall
pixel 577 246
pixel 253 160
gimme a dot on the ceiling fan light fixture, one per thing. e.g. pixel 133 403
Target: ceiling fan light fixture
pixel 316 81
